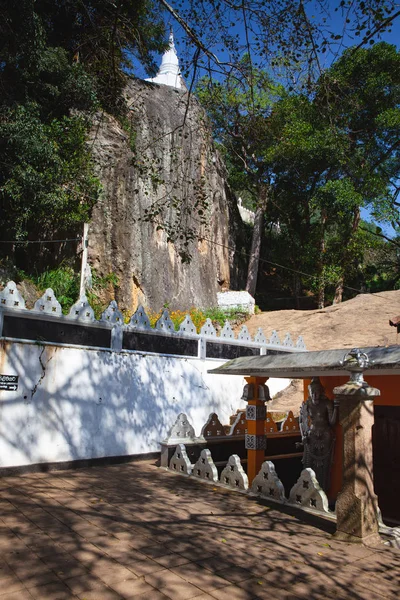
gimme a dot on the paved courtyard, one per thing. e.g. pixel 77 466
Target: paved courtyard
pixel 135 531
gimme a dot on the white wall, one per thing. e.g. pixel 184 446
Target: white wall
pixel 75 403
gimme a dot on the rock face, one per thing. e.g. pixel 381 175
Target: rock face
pixel 162 163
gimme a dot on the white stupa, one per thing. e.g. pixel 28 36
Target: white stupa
pixel 169 72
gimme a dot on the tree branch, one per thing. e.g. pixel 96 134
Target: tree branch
pixel 382 235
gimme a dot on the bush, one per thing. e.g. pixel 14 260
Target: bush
pixel 64 282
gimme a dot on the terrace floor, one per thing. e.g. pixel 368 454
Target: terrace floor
pixel 136 531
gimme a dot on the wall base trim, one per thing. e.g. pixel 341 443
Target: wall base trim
pixel 76 464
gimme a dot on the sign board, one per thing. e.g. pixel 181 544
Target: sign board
pixel 9 382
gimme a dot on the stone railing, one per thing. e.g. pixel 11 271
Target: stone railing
pixel 306 493
pixel 213 433
pixel 46 324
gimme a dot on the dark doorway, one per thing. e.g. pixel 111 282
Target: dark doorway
pixel 386 448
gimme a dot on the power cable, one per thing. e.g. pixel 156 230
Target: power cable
pixel 214 243
pixel 76 239
pixel 269 262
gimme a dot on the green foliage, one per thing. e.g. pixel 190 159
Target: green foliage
pixel 293 40
pixel 61 50
pixel 100 284
pixel 130 128
pixel 60 62
pixel 47 183
pixel 378 265
pixel 239 109
pixel 335 153
pixel 218 315
pixel 64 282
pixel 323 155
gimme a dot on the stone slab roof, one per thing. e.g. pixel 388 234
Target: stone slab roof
pixel 303 365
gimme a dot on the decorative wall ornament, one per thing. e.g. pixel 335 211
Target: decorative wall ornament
pixel 270 425
pixel 48 304
pixel 227 332
pixel 260 338
pixel 255 413
pixel 307 493
pixel 10 297
pixel 255 442
pixel 239 426
pixel 288 342
pixel 180 430
pixel 291 423
pixel 233 475
pixel 205 468
pixel 180 461
pixel 267 484
pixel 356 362
pixel 81 310
pixel 300 344
pixel 244 334
pixel 187 327
pixel 139 319
pixel 164 323
pixel 208 329
pixel 112 314
pixel 213 427
pixel 274 339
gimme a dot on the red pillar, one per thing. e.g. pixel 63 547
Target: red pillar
pixel 255 393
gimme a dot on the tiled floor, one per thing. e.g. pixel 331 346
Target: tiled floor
pixel 135 531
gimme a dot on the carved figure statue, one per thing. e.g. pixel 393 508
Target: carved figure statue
pixel 317 417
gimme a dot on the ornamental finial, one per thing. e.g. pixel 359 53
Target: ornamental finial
pixel 356 362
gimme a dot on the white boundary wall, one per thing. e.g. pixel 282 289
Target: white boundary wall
pixel 78 403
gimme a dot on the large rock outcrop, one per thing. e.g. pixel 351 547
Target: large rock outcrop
pixel 162 163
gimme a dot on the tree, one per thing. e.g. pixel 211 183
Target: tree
pixel 290 37
pixel 338 152
pixel 102 36
pixel 239 109
pixel 60 61
pixel 321 156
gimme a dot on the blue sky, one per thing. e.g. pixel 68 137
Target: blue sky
pixel 334 22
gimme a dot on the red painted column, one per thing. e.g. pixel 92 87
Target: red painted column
pixel 256 393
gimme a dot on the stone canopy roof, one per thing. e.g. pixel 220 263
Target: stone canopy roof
pixel 304 365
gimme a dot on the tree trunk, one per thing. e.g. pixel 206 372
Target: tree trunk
pixel 321 294
pixel 338 292
pixel 252 270
pixel 346 257
pixel 296 291
pixel 321 281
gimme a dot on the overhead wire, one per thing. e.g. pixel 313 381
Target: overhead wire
pixel 269 262
pixel 75 239
pixel 79 238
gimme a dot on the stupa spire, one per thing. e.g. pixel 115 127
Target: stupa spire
pixel 169 72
